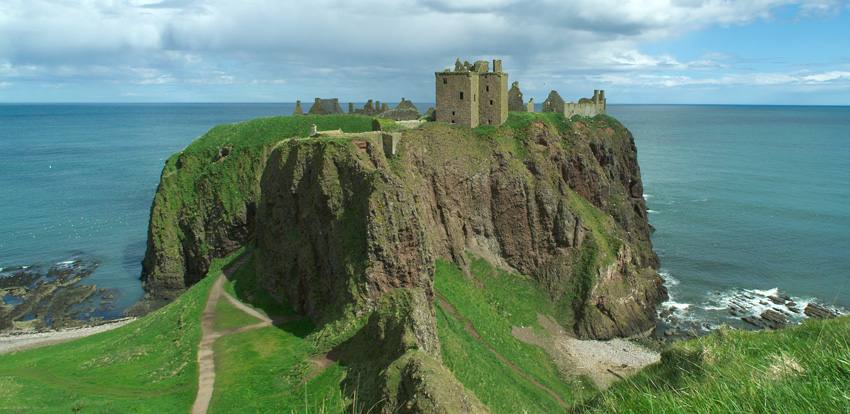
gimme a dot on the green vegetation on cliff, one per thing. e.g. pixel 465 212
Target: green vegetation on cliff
pixel 204 205
pixel 476 314
pixel 149 365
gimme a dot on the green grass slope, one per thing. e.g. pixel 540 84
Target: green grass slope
pixel 148 365
pixel 494 301
pixel 271 369
pixel 803 369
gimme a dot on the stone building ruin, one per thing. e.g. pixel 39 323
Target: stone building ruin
pixel 472 95
pixel 325 107
pixel 515 102
pixel 596 105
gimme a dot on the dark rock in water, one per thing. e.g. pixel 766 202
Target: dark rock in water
pixel 794 309
pixel 666 312
pixel 790 303
pixel 774 319
pixel 785 297
pixel 815 311
pixel 775 299
pixel 752 320
pixel 50 299
pixel 20 277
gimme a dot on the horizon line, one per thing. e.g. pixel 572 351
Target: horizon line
pixel 414 101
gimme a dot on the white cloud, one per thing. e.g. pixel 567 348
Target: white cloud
pixel 755 79
pixel 378 43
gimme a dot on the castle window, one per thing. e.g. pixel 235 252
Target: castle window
pixel 453 113
pixel 461 96
pixel 491 102
pixel 445 81
pixel 488 88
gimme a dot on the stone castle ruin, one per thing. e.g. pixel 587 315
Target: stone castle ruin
pixel 584 107
pixel 404 111
pixel 323 107
pixel 472 95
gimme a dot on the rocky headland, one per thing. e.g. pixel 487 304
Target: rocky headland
pixel 345 230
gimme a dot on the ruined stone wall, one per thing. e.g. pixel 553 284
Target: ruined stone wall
pixel 457 98
pixel 493 105
pixel 515 101
pixel 583 109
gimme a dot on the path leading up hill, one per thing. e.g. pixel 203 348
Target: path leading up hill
pixel 206 353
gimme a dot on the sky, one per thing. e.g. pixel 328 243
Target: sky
pixel 652 51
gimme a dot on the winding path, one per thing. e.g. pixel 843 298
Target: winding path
pixel 206 353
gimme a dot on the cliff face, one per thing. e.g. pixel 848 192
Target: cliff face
pixel 338 226
pixel 561 202
pixel 336 229
pixel 205 204
pixel 342 231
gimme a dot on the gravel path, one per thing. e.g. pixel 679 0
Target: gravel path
pixel 20 342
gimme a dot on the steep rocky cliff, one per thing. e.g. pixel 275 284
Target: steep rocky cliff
pixel 339 229
pixel 206 199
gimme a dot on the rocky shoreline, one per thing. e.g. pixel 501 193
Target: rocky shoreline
pixel 46 298
pixel 751 310
pixel 21 340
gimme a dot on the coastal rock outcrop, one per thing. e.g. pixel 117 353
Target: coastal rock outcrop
pixel 337 225
pixel 336 229
pixel 344 232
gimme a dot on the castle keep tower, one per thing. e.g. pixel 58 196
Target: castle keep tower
pixel 472 95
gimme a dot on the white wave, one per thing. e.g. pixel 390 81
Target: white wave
pixel 769 292
pixel 753 302
pixel 647 196
pixel 650 211
pixel 669 280
pixel 676 305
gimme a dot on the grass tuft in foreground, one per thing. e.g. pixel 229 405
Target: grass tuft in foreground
pixel 803 369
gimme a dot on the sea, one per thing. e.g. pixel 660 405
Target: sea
pixel 747 202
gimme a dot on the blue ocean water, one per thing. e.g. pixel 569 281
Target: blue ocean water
pixel 745 200
pixel 742 198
